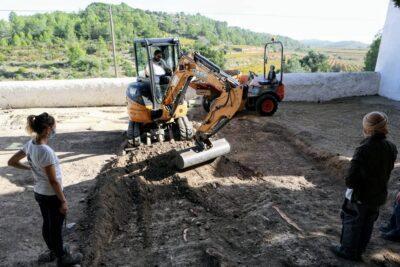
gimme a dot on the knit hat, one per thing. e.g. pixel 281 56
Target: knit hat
pixel 375 122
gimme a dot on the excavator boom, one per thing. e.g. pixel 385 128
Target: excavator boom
pixel 201 74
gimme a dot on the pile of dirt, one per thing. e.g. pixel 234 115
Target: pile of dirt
pixel 274 200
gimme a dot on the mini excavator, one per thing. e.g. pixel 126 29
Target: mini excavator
pixel 156 101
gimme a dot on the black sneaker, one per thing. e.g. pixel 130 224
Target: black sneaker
pixel 339 252
pixel 391 236
pixel 385 228
pixel 49 256
pixel 69 259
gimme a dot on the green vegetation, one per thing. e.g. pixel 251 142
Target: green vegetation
pixel 62 45
pixel 372 55
pixel 397 3
pixel 293 65
pixel 315 61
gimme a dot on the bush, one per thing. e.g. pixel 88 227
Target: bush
pixel 372 54
pixel 215 55
pixel 22 70
pixel 128 69
pixel 315 61
pixel 293 65
pixel 87 64
pixel 91 49
pixel 75 54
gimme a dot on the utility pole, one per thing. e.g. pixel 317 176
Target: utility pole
pixel 113 42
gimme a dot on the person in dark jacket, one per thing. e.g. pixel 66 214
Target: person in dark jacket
pixel 366 182
pixel 391 231
pixel 271 78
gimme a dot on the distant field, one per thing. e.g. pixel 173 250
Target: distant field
pixel 251 58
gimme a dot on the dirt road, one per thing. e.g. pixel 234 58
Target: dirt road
pixel 273 201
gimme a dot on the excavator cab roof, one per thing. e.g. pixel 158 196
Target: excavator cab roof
pixel 157 41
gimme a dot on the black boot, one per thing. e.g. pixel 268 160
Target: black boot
pixel 391 236
pixel 69 259
pixel 341 253
pixel 49 256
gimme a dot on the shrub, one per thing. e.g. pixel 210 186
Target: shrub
pixel 22 70
pixel 128 69
pixel 293 65
pixel 91 49
pixel 75 53
pixel 315 61
pixel 87 64
pixel 372 54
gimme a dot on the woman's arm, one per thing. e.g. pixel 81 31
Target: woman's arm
pixel 15 161
pixel 51 174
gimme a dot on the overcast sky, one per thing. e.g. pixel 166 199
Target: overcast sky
pixel 333 20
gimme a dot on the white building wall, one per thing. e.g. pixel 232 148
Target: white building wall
pixel 388 64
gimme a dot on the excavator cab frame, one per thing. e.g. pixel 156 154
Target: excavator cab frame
pixel 149 45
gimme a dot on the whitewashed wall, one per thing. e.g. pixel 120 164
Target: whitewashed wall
pixel 388 64
pixel 108 92
pixel 63 93
pixel 327 86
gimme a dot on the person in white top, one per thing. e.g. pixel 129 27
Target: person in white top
pixel 48 189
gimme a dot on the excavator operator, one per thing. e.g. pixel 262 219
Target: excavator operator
pixel 159 61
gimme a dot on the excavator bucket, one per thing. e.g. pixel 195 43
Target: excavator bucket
pixel 195 156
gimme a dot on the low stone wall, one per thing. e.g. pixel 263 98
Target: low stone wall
pixel 316 87
pixel 64 93
pixel 111 91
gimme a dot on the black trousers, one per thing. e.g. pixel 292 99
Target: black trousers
pixel 358 222
pixel 53 221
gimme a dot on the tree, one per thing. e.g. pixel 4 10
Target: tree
pixel 215 55
pixel 293 65
pixel 396 3
pixel 372 54
pixel 315 61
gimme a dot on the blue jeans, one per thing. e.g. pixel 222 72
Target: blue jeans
pixel 394 223
pixel 358 222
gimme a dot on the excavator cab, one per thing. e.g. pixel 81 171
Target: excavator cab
pixel 156 74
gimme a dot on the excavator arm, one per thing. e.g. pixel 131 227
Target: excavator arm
pixel 202 75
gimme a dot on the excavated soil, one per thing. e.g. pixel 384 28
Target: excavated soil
pixel 273 201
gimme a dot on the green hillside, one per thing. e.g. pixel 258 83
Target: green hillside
pixel 93 24
pixel 61 45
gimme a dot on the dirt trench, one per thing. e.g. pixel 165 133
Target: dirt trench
pixel 273 201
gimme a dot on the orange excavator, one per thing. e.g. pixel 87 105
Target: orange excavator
pixel 156 101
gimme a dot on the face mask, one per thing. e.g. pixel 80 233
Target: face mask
pixel 52 133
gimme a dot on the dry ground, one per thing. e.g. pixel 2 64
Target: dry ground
pixel 274 200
